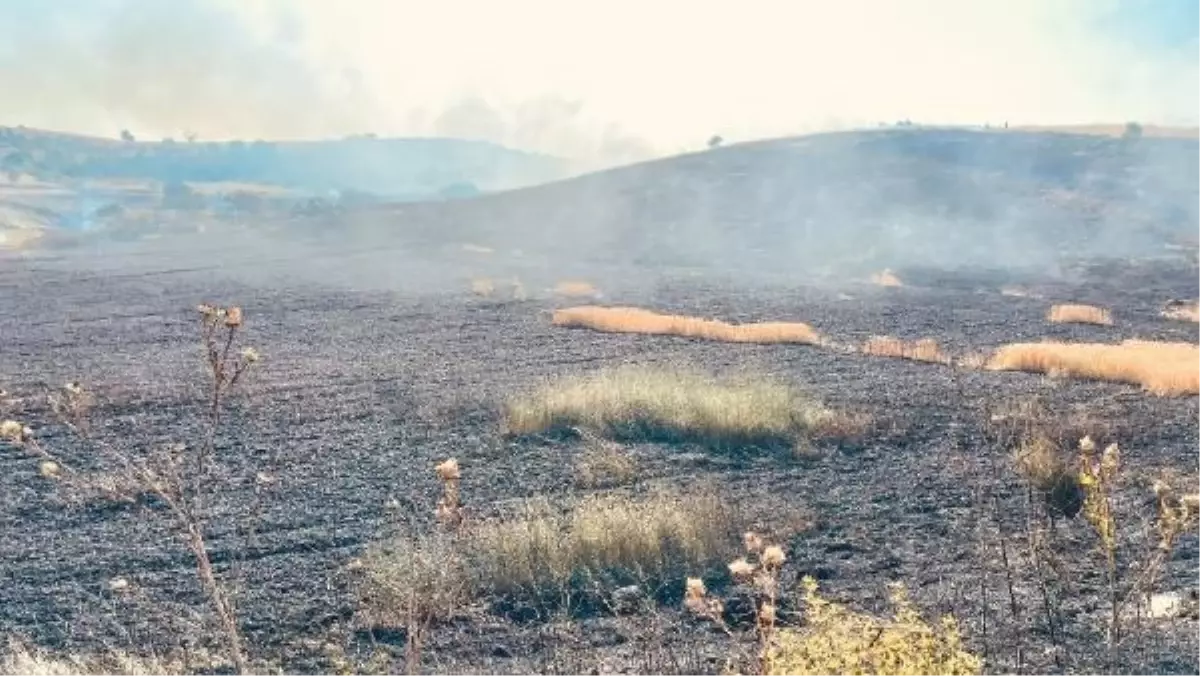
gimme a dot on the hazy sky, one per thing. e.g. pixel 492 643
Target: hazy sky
pixel 603 80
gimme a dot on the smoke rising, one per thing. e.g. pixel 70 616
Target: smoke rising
pixel 604 83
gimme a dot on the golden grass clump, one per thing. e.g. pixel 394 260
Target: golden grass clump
pixel 674 405
pixel 576 289
pixel 925 349
pixel 1161 368
pixel 837 640
pixel 542 549
pixel 1183 311
pixel 638 320
pixel 1079 314
pixel 886 278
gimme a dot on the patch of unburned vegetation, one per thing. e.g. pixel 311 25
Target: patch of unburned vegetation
pixel 925 349
pixel 675 405
pixel 1079 314
pixel 1182 310
pixel 539 551
pixel 19 658
pixel 1162 368
pixel 637 320
pixel 576 289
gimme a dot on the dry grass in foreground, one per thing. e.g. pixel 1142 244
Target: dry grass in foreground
pixel 637 320
pixel 674 405
pixel 1159 367
pixel 925 349
pixel 20 659
pixel 1079 314
pixel 615 538
pixel 540 552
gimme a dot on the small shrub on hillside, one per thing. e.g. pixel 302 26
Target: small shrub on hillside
pixel 637 320
pixel 1159 367
pixel 1079 314
pixel 640 403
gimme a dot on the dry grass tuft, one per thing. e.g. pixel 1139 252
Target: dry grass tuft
pixel 637 320
pixel 421 577
pixel 1017 292
pixel 20 659
pixel 576 289
pixel 1162 368
pixel 886 278
pixel 674 405
pixel 1079 314
pixel 622 539
pixel 1181 310
pixel 925 349
pixel 604 464
pixel 1046 466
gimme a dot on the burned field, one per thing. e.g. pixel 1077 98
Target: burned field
pixel 330 445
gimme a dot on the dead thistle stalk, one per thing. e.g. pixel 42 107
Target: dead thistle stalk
pixel 449 507
pixel 760 568
pixel 178 483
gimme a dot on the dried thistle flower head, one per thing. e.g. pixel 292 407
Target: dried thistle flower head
pixel 206 309
pixel 74 388
pixel 250 355
pixel 695 588
pixel 1087 445
pixel 752 541
pixel 766 614
pixel 773 557
pixel 12 431
pixel 1160 488
pixel 448 470
pixel 49 469
pixel 233 317
pixel 741 569
pixel 1111 458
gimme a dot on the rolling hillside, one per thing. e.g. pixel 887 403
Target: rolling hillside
pixel 918 197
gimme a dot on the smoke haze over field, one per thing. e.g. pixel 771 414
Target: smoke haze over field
pixel 600 82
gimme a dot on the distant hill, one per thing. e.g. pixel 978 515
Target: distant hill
pixel 391 168
pixel 840 201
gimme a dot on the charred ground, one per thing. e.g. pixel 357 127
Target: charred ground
pixel 363 392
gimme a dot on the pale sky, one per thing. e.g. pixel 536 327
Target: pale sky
pixel 604 81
